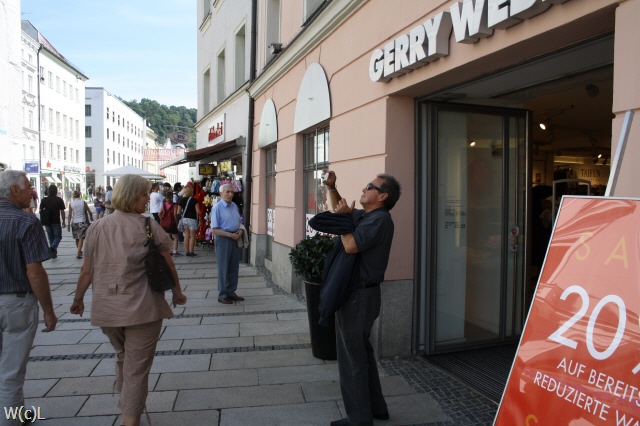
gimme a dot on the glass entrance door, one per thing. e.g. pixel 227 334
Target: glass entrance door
pixel 472 268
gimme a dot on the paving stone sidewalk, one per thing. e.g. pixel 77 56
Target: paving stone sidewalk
pixel 242 364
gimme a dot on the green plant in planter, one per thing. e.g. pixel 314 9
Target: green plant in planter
pixel 307 257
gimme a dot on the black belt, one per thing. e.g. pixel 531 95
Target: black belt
pixel 20 293
pixel 367 285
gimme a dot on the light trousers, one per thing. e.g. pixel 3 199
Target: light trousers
pixel 18 325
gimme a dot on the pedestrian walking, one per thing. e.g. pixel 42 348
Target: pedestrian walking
pixel 129 313
pixel 51 209
pixel 225 225
pixel 371 242
pixel 190 211
pixel 155 201
pixel 108 208
pixel 23 283
pixel 79 214
pixel 90 192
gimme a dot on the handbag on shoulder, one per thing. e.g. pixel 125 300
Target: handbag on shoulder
pixel 156 267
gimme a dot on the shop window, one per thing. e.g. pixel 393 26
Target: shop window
pixel 316 158
pixel 271 198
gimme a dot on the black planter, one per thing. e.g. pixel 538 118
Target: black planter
pixel 323 339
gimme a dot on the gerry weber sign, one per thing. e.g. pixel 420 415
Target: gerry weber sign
pixel 216 130
pixel 470 20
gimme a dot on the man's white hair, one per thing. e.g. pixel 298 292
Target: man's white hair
pixel 8 178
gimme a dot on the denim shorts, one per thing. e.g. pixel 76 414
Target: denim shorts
pixel 190 223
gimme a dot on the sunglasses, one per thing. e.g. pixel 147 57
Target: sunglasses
pixel 371 186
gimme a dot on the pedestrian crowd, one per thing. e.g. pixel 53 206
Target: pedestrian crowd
pixel 115 248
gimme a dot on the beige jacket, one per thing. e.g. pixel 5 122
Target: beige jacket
pixel 114 247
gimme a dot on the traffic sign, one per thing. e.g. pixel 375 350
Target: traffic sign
pixel 579 355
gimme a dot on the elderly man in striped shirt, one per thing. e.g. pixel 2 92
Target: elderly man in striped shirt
pixel 23 283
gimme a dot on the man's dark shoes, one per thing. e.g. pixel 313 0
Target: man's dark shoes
pixel 236 298
pixel 381 416
pixel 225 300
pixel 341 422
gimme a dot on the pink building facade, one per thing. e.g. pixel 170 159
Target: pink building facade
pixel 449 97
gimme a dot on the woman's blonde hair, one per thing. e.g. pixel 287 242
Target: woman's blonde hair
pixel 127 191
pixel 187 191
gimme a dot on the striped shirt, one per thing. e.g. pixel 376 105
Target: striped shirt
pixel 22 241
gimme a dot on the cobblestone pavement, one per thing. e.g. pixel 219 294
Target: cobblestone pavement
pixel 241 364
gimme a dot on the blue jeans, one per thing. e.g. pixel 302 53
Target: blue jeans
pixel 54 233
pixel 359 380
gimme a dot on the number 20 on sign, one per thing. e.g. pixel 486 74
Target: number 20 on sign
pixel 578 362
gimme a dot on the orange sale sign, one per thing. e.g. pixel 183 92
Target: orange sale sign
pixel 578 361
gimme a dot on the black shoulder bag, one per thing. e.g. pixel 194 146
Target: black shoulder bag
pixel 155 265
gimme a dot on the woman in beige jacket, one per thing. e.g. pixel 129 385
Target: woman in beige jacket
pixel 129 312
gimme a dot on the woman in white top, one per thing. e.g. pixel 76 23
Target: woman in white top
pixel 155 201
pixel 78 211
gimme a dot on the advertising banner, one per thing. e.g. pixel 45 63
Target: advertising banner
pixel 579 355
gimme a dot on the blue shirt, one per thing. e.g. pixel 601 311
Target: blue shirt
pixel 22 241
pixel 225 216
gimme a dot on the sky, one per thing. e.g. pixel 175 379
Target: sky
pixel 134 49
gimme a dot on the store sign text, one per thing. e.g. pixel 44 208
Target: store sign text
pixel 216 131
pixel 470 21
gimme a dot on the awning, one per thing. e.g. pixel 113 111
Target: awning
pixel 55 179
pixel 49 179
pixel 221 149
pixel 73 179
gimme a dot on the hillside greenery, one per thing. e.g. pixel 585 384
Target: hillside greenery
pixel 164 119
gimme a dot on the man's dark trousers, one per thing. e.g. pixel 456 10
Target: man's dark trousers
pixel 359 380
pixel 228 262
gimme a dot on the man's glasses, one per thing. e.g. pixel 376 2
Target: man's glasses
pixel 371 186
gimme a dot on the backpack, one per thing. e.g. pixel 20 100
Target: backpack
pixel 168 219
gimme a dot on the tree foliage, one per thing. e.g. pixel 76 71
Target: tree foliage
pixel 162 119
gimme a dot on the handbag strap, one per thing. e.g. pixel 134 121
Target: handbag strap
pixel 147 225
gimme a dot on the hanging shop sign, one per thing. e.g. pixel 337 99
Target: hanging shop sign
pixel 179 137
pixel 578 361
pixel 206 169
pixel 31 166
pixel 224 166
pixel 216 130
pixel 469 21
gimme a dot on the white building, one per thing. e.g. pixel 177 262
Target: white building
pixel 29 148
pixel 224 58
pixel 115 136
pixel 11 152
pixel 61 91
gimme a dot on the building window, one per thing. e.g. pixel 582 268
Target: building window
pixel 51 150
pixel 77 155
pixel 64 150
pixel 44 149
pixel 70 128
pixel 58 149
pixel 239 62
pixel 58 84
pixel 206 91
pixel 87 154
pixel 316 158
pixel 71 92
pixel 107 134
pixel 107 113
pixel 77 131
pixel 272 30
pixel 51 120
pixel 41 75
pixel 64 88
pixel 30 119
pixel 87 110
pixel 30 84
pixel 50 74
pixel 220 78
pixel 71 155
pixel 87 131
pixel 64 125
pixel 57 123
pixel 107 156
pixel 77 98
pixel 43 124
pixel 271 198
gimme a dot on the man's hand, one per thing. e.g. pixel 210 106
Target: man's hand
pixel 236 235
pixel 50 321
pixel 343 207
pixel 330 181
pixel 178 298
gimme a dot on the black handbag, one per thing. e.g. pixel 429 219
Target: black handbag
pixel 156 267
